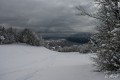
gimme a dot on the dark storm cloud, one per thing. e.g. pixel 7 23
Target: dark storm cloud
pixel 48 15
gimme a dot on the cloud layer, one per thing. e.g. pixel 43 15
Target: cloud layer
pixel 45 15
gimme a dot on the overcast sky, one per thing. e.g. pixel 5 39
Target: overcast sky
pixel 46 15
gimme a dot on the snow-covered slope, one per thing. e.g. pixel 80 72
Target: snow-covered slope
pixel 23 62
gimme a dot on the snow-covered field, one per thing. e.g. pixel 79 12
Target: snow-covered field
pixel 23 62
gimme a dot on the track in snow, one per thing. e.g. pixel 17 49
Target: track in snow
pixel 23 62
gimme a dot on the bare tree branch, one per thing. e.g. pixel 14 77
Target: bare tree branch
pixel 83 12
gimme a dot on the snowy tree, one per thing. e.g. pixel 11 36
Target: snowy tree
pixel 107 39
pixel 11 35
pixel 3 35
pixel 85 48
pixel 2 38
pixel 7 35
pixel 30 37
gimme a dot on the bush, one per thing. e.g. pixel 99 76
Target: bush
pixel 7 36
pixel 108 51
pixel 12 35
pixel 85 48
pixel 73 48
pixel 30 37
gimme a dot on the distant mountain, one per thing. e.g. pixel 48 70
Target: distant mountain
pixel 83 37
pixel 56 35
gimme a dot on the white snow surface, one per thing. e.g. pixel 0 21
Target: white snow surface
pixel 24 62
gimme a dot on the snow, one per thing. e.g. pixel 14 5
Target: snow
pixel 24 62
pixel 103 45
pixel 2 37
pixel 115 30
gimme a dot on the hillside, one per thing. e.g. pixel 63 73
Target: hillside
pixel 24 62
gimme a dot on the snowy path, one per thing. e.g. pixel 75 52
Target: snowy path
pixel 22 62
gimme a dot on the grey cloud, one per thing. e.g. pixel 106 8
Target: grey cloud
pixel 49 15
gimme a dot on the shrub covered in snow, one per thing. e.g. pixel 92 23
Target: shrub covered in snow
pixel 67 46
pixel 30 37
pixel 7 35
pixel 58 44
pixel 12 35
pixel 85 48
pixel 74 48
